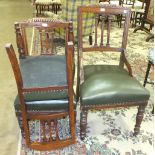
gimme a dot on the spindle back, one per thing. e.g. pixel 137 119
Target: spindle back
pixel 44 33
pixel 103 15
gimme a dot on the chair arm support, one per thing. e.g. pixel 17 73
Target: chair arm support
pixel 127 63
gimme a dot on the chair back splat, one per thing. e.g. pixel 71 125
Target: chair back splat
pixel 101 86
pixel 105 15
pixel 45 83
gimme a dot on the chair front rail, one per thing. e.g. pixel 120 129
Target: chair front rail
pixel 117 105
pixel 127 63
pixel 54 144
pixel 49 116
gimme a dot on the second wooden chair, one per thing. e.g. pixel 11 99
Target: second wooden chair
pixel 45 85
pixel 102 86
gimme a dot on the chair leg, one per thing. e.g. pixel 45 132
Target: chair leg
pixel 83 124
pixel 151 36
pixel 153 110
pixel 20 122
pixel 139 119
pixel 121 18
pixel 75 114
pixel 147 73
pixel 90 39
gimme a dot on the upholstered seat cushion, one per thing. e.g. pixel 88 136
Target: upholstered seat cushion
pixel 43 105
pixel 44 71
pixel 106 84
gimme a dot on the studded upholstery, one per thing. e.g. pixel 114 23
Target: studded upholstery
pixel 33 70
pixel 110 84
pixel 30 68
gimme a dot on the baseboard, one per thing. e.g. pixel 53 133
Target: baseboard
pixel 19 144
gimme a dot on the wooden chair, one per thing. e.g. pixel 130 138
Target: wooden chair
pixel 139 13
pixel 107 86
pixel 104 1
pixel 148 18
pixel 45 84
pixel 47 5
pixel 129 4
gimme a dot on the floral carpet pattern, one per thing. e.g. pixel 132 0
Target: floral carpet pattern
pixel 110 132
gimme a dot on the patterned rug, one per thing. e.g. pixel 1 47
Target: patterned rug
pixel 110 132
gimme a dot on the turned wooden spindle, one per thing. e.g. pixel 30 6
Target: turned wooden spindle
pixel 56 129
pixel 139 118
pixel 47 44
pixel 102 29
pixel 83 123
pixel 50 130
pixel 108 30
pixel 96 24
pixel 43 123
pixel 41 40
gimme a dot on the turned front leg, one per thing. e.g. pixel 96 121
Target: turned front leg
pixel 83 123
pixel 20 122
pixel 139 119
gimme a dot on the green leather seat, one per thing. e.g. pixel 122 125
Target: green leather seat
pixel 34 69
pixel 43 105
pixel 107 84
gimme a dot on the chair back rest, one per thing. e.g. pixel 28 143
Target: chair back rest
pixel 46 32
pixel 103 27
pixel 38 36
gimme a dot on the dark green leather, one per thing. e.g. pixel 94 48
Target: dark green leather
pixel 44 105
pixel 44 71
pixel 106 84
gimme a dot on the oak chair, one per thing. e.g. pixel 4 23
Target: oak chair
pixel 147 18
pixel 102 86
pixel 130 4
pixel 104 1
pixel 139 13
pixel 45 83
pixel 127 2
pixel 47 5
